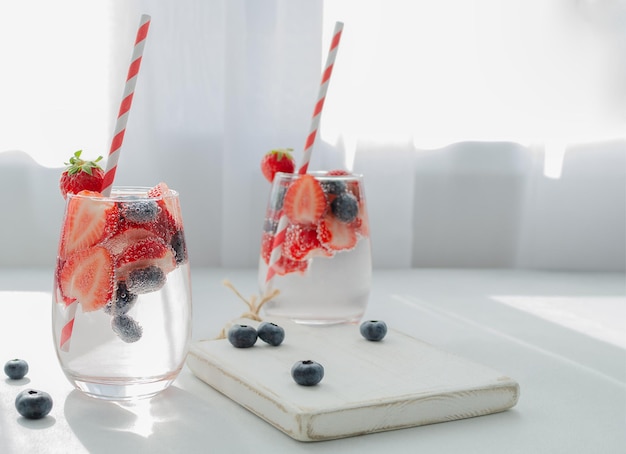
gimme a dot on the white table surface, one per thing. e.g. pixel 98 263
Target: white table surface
pixel 562 336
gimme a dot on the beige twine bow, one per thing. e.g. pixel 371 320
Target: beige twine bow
pixel 253 306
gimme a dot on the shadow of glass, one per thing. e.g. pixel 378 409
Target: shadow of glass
pixel 173 421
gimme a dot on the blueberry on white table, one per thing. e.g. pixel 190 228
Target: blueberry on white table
pixel 33 404
pixel 16 369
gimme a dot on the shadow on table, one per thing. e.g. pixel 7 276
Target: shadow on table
pixel 173 421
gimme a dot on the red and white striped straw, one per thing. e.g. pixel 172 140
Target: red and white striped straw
pixel 319 105
pixel 127 100
pixel 279 238
pixel 277 245
pixel 66 331
pixel 118 137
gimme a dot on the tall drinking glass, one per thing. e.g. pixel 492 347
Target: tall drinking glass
pixel 121 309
pixel 315 248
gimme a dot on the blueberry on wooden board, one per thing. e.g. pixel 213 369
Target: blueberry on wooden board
pixel 307 372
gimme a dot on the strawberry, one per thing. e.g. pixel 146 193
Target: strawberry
pixel 285 265
pixel 305 201
pixel 302 243
pixel 87 276
pixel 81 175
pixel 168 221
pixel 87 222
pixel 267 242
pixel 336 235
pixel 360 223
pixel 121 240
pixel 338 172
pixel 150 251
pixel 279 160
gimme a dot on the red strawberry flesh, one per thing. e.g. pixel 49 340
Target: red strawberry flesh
pixel 305 201
pixel 337 235
pixel 87 222
pixel 150 251
pixel 87 276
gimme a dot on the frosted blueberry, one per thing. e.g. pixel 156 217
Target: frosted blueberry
pixel 126 328
pixel 139 211
pixel 145 280
pixel 178 245
pixel 345 207
pixel 335 187
pixel 124 300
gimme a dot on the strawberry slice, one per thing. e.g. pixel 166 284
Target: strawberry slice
pixel 87 276
pixel 338 172
pixel 285 265
pixel 120 241
pixel 87 222
pixel 168 221
pixel 150 251
pixel 304 202
pixel 302 243
pixel 336 235
pixel 267 241
pixel 360 223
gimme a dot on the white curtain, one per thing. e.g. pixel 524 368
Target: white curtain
pixel 451 178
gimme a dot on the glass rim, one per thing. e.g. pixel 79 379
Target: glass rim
pixel 125 193
pixel 321 174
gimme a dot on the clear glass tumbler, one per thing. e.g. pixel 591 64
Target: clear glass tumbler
pixel 315 248
pixel 121 309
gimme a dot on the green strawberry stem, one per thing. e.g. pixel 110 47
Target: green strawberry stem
pixel 77 164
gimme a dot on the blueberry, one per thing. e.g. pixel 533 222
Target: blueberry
pixel 345 207
pixel 16 369
pixel 242 336
pixel 277 197
pixel 126 328
pixel 270 225
pixel 271 333
pixel 373 330
pixel 140 211
pixel 307 372
pixel 180 248
pixel 124 300
pixel 145 280
pixel 33 404
pixel 335 187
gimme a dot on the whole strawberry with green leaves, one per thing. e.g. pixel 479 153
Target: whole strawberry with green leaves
pixel 81 175
pixel 279 160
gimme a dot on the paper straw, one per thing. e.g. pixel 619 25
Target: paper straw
pixel 279 238
pixel 277 244
pixel 66 331
pixel 116 144
pixel 127 100
pixel 319 105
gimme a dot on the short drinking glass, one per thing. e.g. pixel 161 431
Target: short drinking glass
pixel 121 309
pixel 315 248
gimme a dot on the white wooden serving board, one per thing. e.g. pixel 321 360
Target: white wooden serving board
pixel 367 387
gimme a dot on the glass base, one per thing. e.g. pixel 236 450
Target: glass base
pixel 121 389
pixel 302 319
